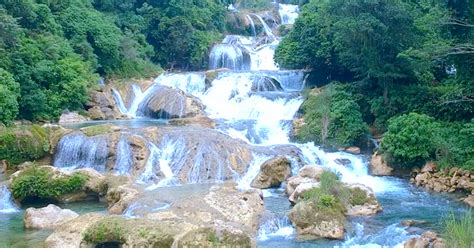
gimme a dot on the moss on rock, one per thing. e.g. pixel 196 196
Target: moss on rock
pixel 40 183
pixel 23 143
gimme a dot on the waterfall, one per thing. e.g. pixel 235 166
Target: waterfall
pixel 124 161
pixel 252 25
pixel 76 150
pixel 6 201
pixel 266 28
pixel 229 56
pixel 276 227
pixel 351 168
pixel 119 101
pixel 288 13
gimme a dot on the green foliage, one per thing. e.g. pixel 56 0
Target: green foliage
pixel 358 197
pixel 454 147
pixel 55 49
pixel 37 182
pixel 458 230
pixel 23 143
pixel 409 139
pixel 331 193
pixel 108 230
pixel 332 118
pixel 9 94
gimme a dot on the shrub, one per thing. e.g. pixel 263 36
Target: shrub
pixel 108 230
pixel 458 231
pixel 38 183
pixel 331 193
pixel 23 143
pixel 358 197
pixel 332 118
pixel 455 146
pixel 410 139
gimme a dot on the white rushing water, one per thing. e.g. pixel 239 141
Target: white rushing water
pixel 76 150
pixel 6 201
pixel 124 161
pixel 288 13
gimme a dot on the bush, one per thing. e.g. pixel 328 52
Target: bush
pixel 23 143
pixel 108 230
pixel 455 146
pixel 358 197
pixel 331 193
pixel 332 118
pixel 39 183
pixel 458 231
pixel 410 139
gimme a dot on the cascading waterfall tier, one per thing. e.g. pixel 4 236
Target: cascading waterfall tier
pixel 6 201
pixel 76 150
pixel 124 159
pixel 288 13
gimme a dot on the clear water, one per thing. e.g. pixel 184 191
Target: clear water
pixel 14 235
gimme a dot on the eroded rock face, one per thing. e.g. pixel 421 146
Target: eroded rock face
pixel 353 150
pixel 313 223
pixel 223 217
pixel 70 235
pixel 378 166
pixel 272 173
pixel 50 217
pixel 169 103
pixel 71 117
pixel 307 174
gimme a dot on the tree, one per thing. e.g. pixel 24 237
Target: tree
pixel 410 139
pixel 9 94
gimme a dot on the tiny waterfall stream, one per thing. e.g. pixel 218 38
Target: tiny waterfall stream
pixel 253 104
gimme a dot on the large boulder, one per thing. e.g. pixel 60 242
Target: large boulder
pixel 50 217
pixel 313 222
pixel 362 202
pixel 469 200
pixel 378 166
pixel 169 103
pixel 71 117
pixel 272 173
pixel 307 174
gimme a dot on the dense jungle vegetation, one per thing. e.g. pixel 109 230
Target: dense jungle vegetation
pixel 403 68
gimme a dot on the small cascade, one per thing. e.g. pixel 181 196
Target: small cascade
pixel 230 97
pixel 190 82
pixel 6 201
pixel 288 13
pixel 76 150
pixel 276 227
pixel 124 161
pixel 252 171
pixel 149 174
pixel 266 28
pixel 351 168
pixel 228 56
pixel 252 25
pixel 119 101
pixel 138 96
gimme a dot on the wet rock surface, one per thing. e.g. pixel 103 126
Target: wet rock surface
pixel 272 173
pixel 378 166
pixel 50 217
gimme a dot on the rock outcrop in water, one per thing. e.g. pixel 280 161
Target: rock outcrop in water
pixel 272 173
pixel 311 223
pixel 168 103
pixel 49 217
pixel 224 217
pixel 378 166
pixel 448 180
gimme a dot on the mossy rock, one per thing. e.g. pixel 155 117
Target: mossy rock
pixel 97 129
pixel 132 232
pixel 45 184
pixel 23 143
pixel 209 237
